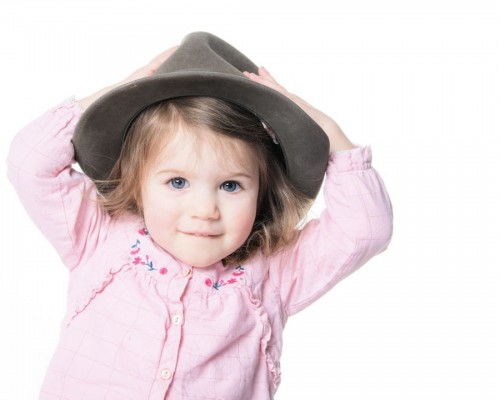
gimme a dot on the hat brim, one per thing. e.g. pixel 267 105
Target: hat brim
pixel 100 133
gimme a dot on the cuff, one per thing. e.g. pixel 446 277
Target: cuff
pixel 356 159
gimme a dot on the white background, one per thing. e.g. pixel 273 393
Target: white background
pixel 416 80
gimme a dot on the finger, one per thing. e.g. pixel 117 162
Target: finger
pixel 269 82
pixel 266 78
pixel 155 63
pixel 265 74
pixel 150 68
pixel 260 79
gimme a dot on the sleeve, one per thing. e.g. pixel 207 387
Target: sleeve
pixel 355 226
pixel 60 200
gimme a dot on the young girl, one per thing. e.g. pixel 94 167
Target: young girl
pixel 181 234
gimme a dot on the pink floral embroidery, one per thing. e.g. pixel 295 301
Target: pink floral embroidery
pixel 149 263
pixel 137 260
pixel 217 285
pixel 238 271
pixel 135 250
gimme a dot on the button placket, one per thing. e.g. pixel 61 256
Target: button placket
pixel 175 288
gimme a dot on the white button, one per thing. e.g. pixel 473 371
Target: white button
pixel 166 374
pixel 187 272
pixel 177 319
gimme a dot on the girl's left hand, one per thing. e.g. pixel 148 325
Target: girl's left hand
pixel 338 140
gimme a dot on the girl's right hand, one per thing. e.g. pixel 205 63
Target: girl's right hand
pixel 146 70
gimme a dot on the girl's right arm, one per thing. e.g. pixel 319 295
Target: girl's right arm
pixel 60 200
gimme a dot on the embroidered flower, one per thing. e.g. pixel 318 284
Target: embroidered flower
pixel 135 248
pixel 222 282
pixel 137 260
pixel 149 263
pixel 238 271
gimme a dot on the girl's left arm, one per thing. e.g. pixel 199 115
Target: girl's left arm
pixel 355 226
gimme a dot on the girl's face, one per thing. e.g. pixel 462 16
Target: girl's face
pixel 199 196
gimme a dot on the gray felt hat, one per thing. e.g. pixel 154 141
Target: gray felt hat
pixel 203 65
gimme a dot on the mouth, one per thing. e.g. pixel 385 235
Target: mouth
pixel 202 234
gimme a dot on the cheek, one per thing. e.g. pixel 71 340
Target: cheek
pixel 243 218
pixel 159 207
pixel 152 205
pixel 246 227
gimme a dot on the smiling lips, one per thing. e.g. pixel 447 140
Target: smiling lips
pixel 202 234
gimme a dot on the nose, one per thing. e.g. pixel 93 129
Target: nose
pixel 205 206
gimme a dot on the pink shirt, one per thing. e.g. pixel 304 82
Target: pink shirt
pixel 142 325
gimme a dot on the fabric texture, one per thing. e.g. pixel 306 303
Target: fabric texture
pixel 142 325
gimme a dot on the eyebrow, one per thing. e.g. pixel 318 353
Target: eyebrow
pixel 232 174
pixel 171 172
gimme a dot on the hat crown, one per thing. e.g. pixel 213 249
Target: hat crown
pixel 206 66
pixel 202 51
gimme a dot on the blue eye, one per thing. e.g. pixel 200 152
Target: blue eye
pixel 178 183
pixel 230 186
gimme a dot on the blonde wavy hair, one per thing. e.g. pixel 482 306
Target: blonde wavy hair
pixel 280 206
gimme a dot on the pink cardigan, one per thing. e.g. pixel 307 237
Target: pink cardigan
pixel 142 325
